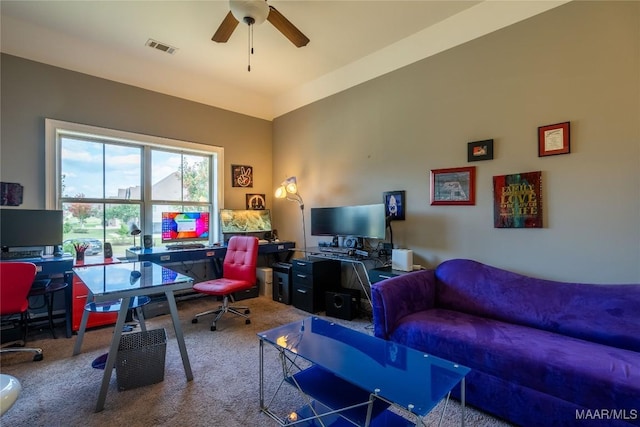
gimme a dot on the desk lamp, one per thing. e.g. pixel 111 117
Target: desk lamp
pixel 288 189
pixel 134 231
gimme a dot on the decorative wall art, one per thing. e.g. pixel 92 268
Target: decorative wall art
pixel 517 200
pixel 256 202
pixel 480 150
pixel 241 176
pixel 453 186
pixel 553 139
pixel 11 194
pixel 394 205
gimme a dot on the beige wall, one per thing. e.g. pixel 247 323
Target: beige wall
pixel 577 63
pixel 33 91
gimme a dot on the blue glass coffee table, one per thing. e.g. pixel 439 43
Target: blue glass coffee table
pixel 351 378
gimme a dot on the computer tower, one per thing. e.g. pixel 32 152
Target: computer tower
pixel 282 282
pixel 265 280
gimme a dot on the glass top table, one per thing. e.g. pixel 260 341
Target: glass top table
pixel 125 281
pixel 400 375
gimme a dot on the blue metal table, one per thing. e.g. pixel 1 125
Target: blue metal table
pixel 126 281
pixel 353 377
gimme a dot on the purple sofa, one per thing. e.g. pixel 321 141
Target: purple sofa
pixel 542 353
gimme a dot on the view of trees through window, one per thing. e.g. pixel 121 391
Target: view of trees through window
pixel 105 187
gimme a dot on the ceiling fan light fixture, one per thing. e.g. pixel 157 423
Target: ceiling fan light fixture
pixel 249 10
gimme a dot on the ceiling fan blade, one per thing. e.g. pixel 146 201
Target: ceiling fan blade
pixel 225 29
pixel 289 30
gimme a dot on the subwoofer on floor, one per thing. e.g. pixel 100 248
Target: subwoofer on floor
pixel 343 304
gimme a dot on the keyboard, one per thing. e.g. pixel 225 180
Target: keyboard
pixel 185 246
pixel 334 250
pixel 20 254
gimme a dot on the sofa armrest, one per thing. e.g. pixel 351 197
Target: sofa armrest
pixel 400 296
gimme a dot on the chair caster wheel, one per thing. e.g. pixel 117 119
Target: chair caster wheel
pixel 194 320
pixel 247 322
pixel 247 311
pixel 38 357
pixel 213 328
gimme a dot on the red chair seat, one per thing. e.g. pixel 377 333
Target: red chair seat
pixel 222 286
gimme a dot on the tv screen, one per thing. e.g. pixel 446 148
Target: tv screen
pixel 29 228
pixel 358 221
pixel 245 221
pixel 184 226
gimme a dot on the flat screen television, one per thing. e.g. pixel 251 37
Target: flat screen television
pixel 236 221
pixel 358 221
pixel 184 226
pixel 30 228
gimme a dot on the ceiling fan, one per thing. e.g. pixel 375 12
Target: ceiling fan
pixel 255 12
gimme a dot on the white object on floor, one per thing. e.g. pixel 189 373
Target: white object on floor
pixel 9 390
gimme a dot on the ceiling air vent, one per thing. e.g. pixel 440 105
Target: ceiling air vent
pixel 161 46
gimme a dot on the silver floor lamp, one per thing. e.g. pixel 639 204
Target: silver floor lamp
pixel 288 189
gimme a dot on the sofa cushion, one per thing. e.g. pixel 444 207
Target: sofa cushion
pixel 589 374
pixel 600 313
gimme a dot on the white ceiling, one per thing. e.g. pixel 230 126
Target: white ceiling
pixel 351 42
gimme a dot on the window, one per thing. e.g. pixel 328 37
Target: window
pixel 106 180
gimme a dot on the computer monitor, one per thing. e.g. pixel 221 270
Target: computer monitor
pixel 185 226
pixel 358 221
pixel 30 228
pixel 236 221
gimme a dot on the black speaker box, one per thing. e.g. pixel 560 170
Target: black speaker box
pixel 108 250
pixel 343 304
pixel 147 240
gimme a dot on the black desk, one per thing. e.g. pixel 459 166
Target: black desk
pixel 55 268
pixel 280 251
pixel 212 256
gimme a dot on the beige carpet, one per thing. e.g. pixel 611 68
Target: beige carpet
pixel 62 389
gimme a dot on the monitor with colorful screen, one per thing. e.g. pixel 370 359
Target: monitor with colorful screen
pixel 185 226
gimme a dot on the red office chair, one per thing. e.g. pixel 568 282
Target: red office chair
pixel 16 279
pixel 238 274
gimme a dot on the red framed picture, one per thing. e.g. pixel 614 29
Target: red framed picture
pixel 453 186
pixel 553 139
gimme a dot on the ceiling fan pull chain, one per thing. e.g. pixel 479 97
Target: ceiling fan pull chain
pixel 251 36
pixel 250 48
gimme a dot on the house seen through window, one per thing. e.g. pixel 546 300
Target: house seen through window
pixel 105 183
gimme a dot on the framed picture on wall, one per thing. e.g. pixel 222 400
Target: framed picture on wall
pixel 256 201
pixel 453 186
pixel 241 176
pixel 480 150
pixel 11 194
pixel 517 200
pixel 553 139
pixel 394 205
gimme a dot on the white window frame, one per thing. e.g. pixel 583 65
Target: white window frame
pixel 55 129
